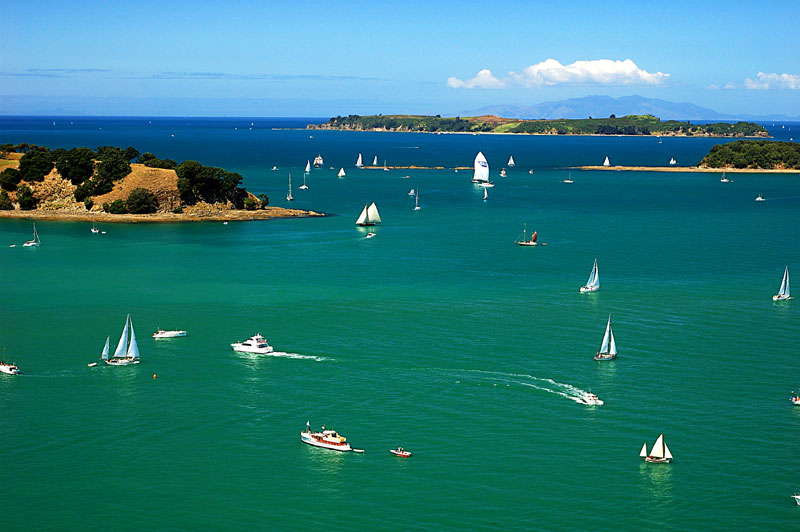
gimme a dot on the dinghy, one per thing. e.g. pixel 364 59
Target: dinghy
pixel 659 454
pixel 593 284
pixel 402 453
pixel 608 349
pixel 783 293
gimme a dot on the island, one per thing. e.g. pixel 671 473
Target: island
pixel 626 125
pixel 107 185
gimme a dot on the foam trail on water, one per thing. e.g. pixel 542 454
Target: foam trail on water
pixel 568 391
pixel 283 354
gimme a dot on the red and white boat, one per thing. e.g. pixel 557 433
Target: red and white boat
pixel 402 453
pixel 327 439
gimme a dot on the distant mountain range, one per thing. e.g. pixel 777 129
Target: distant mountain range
pixel 604 106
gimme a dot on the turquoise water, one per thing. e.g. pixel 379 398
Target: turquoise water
pixel 439 335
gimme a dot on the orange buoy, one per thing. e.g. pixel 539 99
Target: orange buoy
pixel 154 376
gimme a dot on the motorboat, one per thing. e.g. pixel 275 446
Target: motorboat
pixel 371 235
pixel 795 399
pixel 161 333
pixel 257 345
pixel 402 453
pixel 590 399
pixel 7 367
pixel 326 439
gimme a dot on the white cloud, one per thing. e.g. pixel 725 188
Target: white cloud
pixel 766 81
pixel 550 72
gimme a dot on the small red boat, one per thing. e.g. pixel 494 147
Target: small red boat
pixel 402 453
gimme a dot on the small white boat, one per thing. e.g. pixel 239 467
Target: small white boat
pixel 672 161
pixel 783 292
pixel 375 161
pixel 416 201
pixel 289 195
pixel 127 352
pixel 795 399
pixel 659 454
pixel 305 172
pixel 34 241
pixel 568 180
pixel 341 173
pixel 402 453
pixel 530 172
pixel 95 230
pixel 411 192
pixel 371 235
pixel 606 162
pixel 385 169
pixel 318 162
pixel 534 240
pixel 161 333
pixel 760 198
pixel 724 179
pixel 359 162
pixel 369 216
pixel 325 438
pixel 511 161
pixel 503 172
pixel 593 284
pixel 7 367
pixel 590 399
pixel 274 168
pixel 608 348
pixel 255 344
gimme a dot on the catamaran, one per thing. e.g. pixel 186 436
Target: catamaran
pixel 369 216
pixel 608 349
pixel 593 284
pixel 341 173
pixel 289 195
pixel 783 294
pixel 318 162
pixel 481 175
pixel 511 161
pixel 659 454
pixel 606 162
pixel 533 240
pixel 127 352
pixel 375 161
pixel 34 241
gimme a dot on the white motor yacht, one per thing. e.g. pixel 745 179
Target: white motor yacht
pixel 590 399
pixel 9 369
pixel 161 333
pixel 255 344
pixel 327 439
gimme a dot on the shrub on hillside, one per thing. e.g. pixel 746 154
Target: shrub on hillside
pixel 36 164
pixel 76 164
pixel 115 207
pixel 10 178
pixel 5 202
pixel 141 201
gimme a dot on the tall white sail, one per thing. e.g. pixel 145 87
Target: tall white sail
pixel 308 167
pixel 643 452
pixel 341 172
pixel 122 345
pixel 784 291
pixel 594 279
pixel 104 356
pixel 375 161
pixel 658 448
pixel 667 454
pixel 606 162
pixel 289 195
pixel 362 218
pixel 481 169
pixel 359 162
pixel 372 214
pixel 133 347
pixel 511 161
pixel 609 346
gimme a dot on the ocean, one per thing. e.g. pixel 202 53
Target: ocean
pixel 439 335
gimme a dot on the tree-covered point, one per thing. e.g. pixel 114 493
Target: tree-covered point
pixel 626 125
pixel 210 184
pixel 757 154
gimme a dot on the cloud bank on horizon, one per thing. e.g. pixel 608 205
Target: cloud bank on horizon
pixel 551 72
pixel 766 81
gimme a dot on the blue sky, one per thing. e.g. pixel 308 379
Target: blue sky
pixel 327 58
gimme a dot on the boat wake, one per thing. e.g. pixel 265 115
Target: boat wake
pixel 567 391
pixel 282 354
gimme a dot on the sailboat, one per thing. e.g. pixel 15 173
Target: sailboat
pixel 672 161
pixel 369 216
pixel 34 241
pixel 783 294
pixel 608 349
pixel 569 180
pixel 127 352
pixel 306 171
pixel 760 198
pixel 511 161
pixel 95 230
pixel 533 240
pixel 481 175
pixel 606 162
pixel 724 179
pixel 385 169
pixel 375 161
pixel 659 140
pixel 341 172
pixel 289 195
pixel 503 172
pixel 318 161
pixel 659 454
pixel 416 201
pixel 104 354
pixel 359 162
pixel 593 284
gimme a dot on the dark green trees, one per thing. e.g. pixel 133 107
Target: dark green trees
pixel 36 164
pixel 25 198
pixel 141 201
pixel 207 183
pixel 76 164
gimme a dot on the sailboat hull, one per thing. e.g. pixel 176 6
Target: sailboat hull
pixel 652 460
pixel 603 357
pixel 121 361
pixel 779 297
pixel 585 289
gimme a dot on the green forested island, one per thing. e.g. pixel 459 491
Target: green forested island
pixel 755 154
pixel 626 125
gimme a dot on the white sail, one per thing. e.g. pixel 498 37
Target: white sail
pixel 658 448
pixel 609 346
pixel 341 172
pixel 372 214
pixel 784 291
pixel 359 162
pixel 481 169
pixel 133 347
pixel 612 345
pixel 667 454
pixel 511 161
pixel 308 166
pixel 606 162
pixel 643 452
pixel 594 279
pixel 104 356
pixel 36 235
pixel 362 218
pixel 122 345
pixel 375 161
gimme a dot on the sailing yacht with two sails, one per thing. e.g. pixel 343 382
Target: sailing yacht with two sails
pixel 784 292
pixel 593 283
pixel 127 351
pixel 369 216
pixel 608 348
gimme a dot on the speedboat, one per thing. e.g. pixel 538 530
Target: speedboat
pixel 327 439
pixel 402 453
pixel 371 235
pixel 590 399
pixel 9 369
pixel 161 333
pixel 255 344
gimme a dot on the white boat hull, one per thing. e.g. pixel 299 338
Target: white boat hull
pixel 781 298
pixel 585 289
pixel 121 361
pixel 169 334
pixel 652 460
pixel 602 357
pixel 241 348
pixel 9 370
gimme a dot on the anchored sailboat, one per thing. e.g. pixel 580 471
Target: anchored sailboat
pixel 524 242
pixel 481 175
pixel 511 161
pixel 608 349
pixel 341 173
pixel 672 161
pixel 369 216
pixel 659 454
pixel 34 241
pixel 783 294
pixel 359 162
pixel 593 284
pixel 289 195
pixel 127 352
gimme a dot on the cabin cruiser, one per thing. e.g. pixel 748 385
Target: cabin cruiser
pixel 9 369
pixel 327 439
pixel 161 333
pixel 590 399
pixel 255 344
